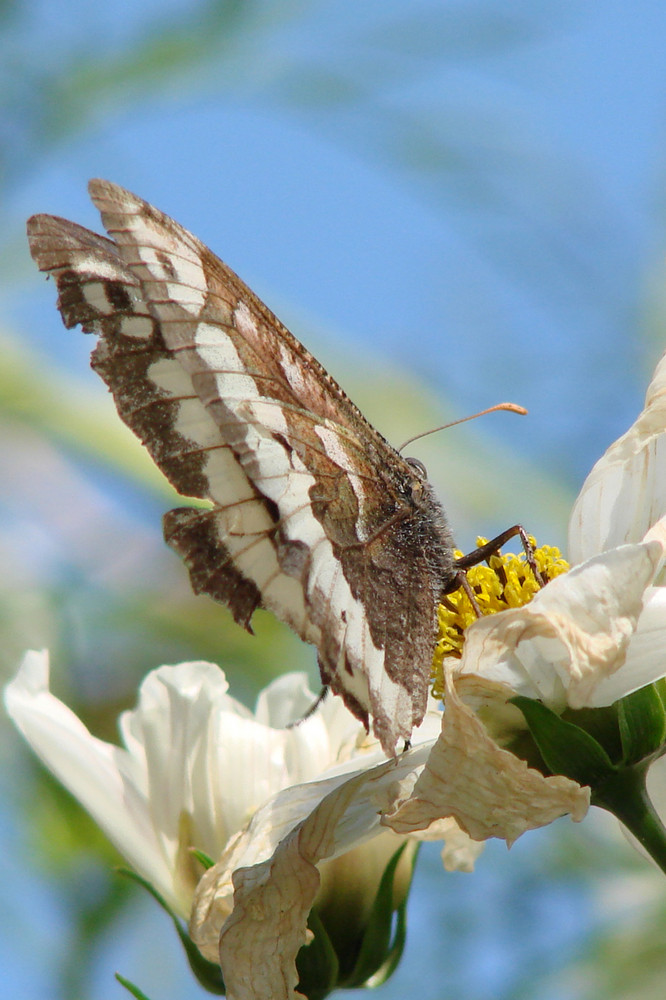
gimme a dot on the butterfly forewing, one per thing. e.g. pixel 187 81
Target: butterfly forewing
pixel 313 515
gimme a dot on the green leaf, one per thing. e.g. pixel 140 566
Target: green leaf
pixel 386 970
pixel 566 748
pixel 204 859
pixel 131 988
pixel 207 973
pixel 317 963
pixel 660 688
pixel 600 723
pixel 642 720
pixel 381 946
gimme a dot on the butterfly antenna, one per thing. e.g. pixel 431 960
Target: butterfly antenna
pixel 511 407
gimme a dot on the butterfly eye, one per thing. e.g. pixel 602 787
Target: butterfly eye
pixel 418 467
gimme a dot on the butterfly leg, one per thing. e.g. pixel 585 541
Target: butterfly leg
pixel 312 709
pixel 483 552
pixel 460 581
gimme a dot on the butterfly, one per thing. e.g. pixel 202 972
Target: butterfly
pixel 311 513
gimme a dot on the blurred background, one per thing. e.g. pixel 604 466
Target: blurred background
pixel 451 204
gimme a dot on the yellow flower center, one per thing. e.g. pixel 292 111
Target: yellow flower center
pixel 505 582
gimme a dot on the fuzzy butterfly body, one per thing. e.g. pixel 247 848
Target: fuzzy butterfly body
pixel 312 515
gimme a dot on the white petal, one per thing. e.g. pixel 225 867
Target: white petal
pixel 625 493
pixel 315 740
pixel 459 852
pixel 645 660
pixel 105 779
pixel 174 731
pixel 284 701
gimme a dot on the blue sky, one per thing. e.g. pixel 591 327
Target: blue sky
pixel 489 218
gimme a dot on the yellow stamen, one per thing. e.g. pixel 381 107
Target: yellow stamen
pixel 508 582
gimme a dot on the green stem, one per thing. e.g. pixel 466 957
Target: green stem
pixel 624 794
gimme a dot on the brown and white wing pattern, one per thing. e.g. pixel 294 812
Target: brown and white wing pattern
pixel 312 514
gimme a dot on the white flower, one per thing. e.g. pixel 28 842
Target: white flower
pixel 590 637
pixel 294 816
pixel 597 633
pixel 195 764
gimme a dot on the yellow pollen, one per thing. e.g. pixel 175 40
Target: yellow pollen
pixel 505 582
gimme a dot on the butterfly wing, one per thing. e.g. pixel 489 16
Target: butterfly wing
pixel 312 514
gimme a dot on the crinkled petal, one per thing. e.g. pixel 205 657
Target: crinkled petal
pixel 574 634
pixel 261 939
pixel 460 852
pixel 625 493
pixel 284 811
pixel 262 935
pixel 268 926
pixel 488 791
pixel 213 901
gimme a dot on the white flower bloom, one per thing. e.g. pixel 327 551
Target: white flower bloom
pixel 279 807
pixel 195 765
pixel 590 637
pixel 197 769
pixel 597 633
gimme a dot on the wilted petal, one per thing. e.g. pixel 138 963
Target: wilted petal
pixel 262 937
pixel 625 493
pixel 495 795
pixel 268 926
pixel 272 823
pixel 460 852
pixel 375 786
pixel 487 790
pixel 574 634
